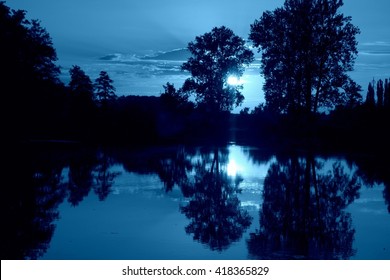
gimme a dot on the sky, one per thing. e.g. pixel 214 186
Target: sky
pixel 137 25
pixel 85 29
pixel 134 25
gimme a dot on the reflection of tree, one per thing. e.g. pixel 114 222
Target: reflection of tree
pixel 174 170
pixel 104 177
pixel 80 176
pixel 375 170
pixel 214 209
pixel 29 204
pixel 303 213
pixel 30 201
pixel 90 169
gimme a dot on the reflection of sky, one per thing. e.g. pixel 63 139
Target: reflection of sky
pixel 369 213
pixel 245 166
pixel 84 31
pixel 253 176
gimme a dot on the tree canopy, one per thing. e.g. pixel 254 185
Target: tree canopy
pixel 105 90
pixel 370 97
pixel 307 47
pixel 28 75
pixel 27 48
pixel 215 56
pixel 80 83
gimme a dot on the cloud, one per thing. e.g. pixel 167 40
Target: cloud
pixel 382 53
pixel 376 43
pixel 376 48
pixel 175 55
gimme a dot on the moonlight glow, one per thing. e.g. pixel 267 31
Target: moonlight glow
pixel 232 168
pixel 234 81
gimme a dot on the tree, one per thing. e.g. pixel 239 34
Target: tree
pixel 174 98
pixel 105 91
pixel 307 48
pixel 380 93
pixel 80 84
pixel 31 90
pixel 42 53
pixel 386 98
pixel 28 49
pixel 216 56
pixel 370 98
pixel 82 107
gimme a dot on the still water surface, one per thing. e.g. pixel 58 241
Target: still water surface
pixel 231 202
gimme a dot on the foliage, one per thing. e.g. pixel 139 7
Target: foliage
pixel 370 97
pixel 80 83
pixel 28 48
pixel 82 108
pixel 30 87
pixel 386 97
pixel 215 56
pixel 380 93
pixel 105 91
pixel 174 98
pixel 307 49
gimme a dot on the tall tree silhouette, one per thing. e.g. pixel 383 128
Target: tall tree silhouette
pixel 105 97
pixel 28 74
pixel 386 97
pixel 370 97
pixel 105 90
pixel 80 83
pixel 380 93
pixel 81 108
pixel 214 57
pixel 307 49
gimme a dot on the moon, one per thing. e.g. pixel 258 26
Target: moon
pixel 234 81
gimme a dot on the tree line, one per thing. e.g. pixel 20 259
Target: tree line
pixel 380 97
pixel 36 105
pixel 307 49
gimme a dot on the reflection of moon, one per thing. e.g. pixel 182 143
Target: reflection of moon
pixel 234 81
pixel 232 168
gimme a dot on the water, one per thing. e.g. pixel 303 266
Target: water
pixel 231 202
